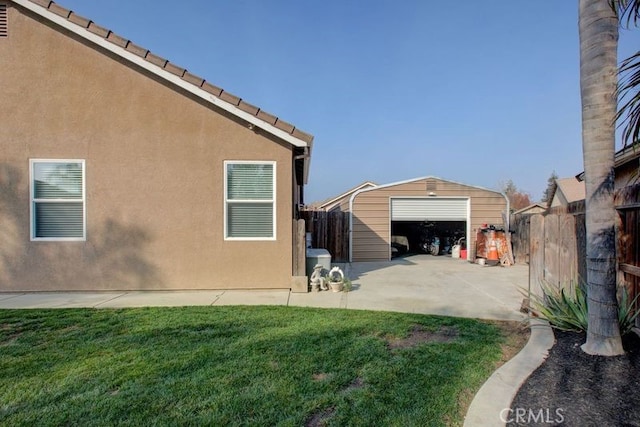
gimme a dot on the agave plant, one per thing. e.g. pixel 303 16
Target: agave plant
pixel 565 308
pixel 626 313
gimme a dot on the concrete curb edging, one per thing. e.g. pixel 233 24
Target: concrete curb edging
pixel 490 405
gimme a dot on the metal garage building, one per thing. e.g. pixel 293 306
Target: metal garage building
pixel 377 212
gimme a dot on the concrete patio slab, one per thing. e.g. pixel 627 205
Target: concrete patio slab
pixel 57 299
pixel 439 285
pixel 161 299
pixel 8 295
pixel 253 297
pixel 418 284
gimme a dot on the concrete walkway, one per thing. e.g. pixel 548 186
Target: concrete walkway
pixel 418 284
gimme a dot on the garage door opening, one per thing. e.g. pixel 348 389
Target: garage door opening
pixel 417 222
pixel 413 237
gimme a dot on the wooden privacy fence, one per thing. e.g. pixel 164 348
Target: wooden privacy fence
pixel 556 250
pixel 554 244
pixel 520 238
pixel 627 202
pixel 329 230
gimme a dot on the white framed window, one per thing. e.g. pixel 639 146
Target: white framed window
pixel 57 196
pixel 249 200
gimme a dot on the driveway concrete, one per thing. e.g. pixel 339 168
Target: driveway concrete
pixel 439 285
pixel 417 284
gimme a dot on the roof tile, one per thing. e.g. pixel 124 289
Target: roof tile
pixel 269 118
pixel 80 20
pixel 98 30
pixel 174 69
pixel 248 108
pixel 193 79
pixel 117 40
pixel 59 10
pixel 287 127
pixel 138 50
pixel 156 60
pixel 212 89
pixel 230 98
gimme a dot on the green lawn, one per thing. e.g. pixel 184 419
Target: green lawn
pixel 224 366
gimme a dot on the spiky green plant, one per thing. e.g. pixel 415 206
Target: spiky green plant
pixel 626 313
pixel 565 308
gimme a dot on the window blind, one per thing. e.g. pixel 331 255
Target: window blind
pixel 58 199
pixel 250 220
pixel 4 20
pixel 250 181
pixel 250 200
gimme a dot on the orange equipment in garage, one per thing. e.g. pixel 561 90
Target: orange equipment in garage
pixel 492 255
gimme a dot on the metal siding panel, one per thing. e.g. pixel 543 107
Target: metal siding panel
pixel 433 209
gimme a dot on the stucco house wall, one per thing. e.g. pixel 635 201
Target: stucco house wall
pixel 154 156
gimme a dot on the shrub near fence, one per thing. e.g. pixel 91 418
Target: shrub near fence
pixel 329 230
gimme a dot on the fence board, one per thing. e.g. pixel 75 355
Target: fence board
pixel 628 245
pixel 299 258
pixel 520 237
pixel 536 254
pixel 581 248
pixel 567 250
pixel 551 251
pixel 329 230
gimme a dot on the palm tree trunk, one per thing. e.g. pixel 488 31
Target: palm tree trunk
pixel 598 28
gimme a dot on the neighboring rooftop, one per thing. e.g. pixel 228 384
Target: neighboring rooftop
pixel 621 158
pixel 329 203
pixel 567 190
pixel 531 209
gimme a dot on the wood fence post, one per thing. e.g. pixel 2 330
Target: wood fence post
pixel 551 259
pixel 536 254
pixel 299 281
pixel 567 251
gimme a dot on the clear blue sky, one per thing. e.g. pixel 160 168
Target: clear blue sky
pixel 478 92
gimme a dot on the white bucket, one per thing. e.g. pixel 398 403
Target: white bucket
pixel 455 251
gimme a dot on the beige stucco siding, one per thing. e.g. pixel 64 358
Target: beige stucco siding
pixel 370 239
pixel 154 174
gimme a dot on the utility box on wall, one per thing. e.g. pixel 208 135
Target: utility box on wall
pixel 315 257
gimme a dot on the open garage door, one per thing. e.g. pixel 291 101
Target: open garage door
pixel 431 209
pixel 415 221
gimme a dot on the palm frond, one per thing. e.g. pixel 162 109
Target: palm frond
pixel 628 11
pixel 629 99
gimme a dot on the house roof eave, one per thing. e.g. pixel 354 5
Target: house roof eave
pixel 168 72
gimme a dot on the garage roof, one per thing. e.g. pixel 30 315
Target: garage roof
pixel 420 179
